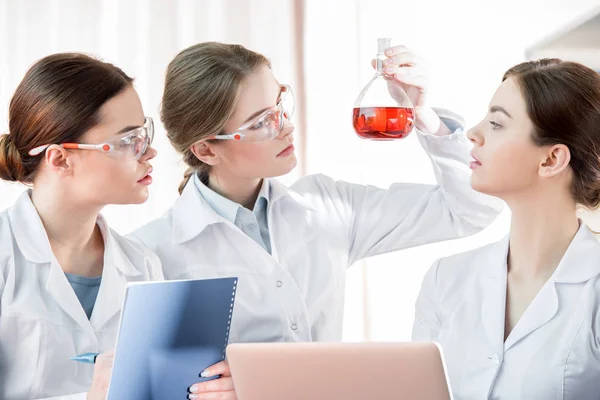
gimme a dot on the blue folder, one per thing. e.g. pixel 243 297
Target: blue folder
pixel 170 332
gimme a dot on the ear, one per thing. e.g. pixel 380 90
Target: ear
pixel 205 152
pixel 59 160
pixel 556 161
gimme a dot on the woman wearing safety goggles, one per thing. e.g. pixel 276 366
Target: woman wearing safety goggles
pixel 224 110
pixel 79 138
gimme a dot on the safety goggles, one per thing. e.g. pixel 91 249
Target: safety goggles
pixel 134 142
pixel 268 124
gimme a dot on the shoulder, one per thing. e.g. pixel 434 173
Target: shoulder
pixel 7 249
pixel 321 188
pixel 465 262
pixel 6 242
pixel 140 256
pixel 153 233
pixel 452 275
pixel 313 182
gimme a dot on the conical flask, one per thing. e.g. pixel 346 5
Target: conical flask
pixel 383 110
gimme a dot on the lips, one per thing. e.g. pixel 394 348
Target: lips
pixel 288 150
pixel 147 174
pixel 476 159
pixel 475 163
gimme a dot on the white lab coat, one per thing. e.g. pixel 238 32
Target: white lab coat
pixel 318 227
pixel 42 323
pixel 553 353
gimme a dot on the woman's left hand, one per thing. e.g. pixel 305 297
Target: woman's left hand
pixel 217 389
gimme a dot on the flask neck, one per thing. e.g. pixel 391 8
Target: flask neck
pixel 379 64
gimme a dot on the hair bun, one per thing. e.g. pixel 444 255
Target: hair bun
pixel 11 164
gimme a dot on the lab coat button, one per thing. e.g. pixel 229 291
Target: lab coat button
pixel 294 327
pixel 279 284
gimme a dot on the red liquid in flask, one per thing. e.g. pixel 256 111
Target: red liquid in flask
pixel 383 123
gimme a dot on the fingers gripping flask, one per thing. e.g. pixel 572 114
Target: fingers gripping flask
pixel 382 110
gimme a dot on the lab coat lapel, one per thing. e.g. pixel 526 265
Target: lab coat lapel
pixel 32 240
pixel 581 260
pixel 110 296
pixel 579 264
pixel 59 288
pixel 192 214
pixel 117 267
pixel 494 294
pixel 292 229
pixel 541 310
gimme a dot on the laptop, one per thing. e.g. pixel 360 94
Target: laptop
pixel 331 371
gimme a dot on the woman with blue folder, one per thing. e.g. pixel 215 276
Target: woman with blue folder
pixel 79 137
pixel 227 114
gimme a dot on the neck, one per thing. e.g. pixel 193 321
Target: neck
pixel 75 239
pixel 243 191
pixel 542 228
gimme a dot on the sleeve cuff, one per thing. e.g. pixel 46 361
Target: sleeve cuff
pixel 452 120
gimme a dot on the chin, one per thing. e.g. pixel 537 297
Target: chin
pixel 141 196
pixel 479 186
pixel 280 169
pixel 137 197
pixel 289 166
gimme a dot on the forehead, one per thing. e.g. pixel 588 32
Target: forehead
pixel 257 92
pixel 508 96
pixel 123 110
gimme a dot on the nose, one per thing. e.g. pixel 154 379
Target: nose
pixel 474 135
pixel 286 129
pixel 148 155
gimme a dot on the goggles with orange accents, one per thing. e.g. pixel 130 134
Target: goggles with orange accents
pixel 268 124
pixel 134 142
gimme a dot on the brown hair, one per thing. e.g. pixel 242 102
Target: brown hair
pixel 563 102
pixel 57 101
pixel 201 90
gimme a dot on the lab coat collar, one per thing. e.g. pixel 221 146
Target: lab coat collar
pixel 579 264
pixel 32 239
pixel 28 230
pixel 493 310
pixel 279 191
pixel 226 208
pixel 493 264
pixel 192 213
pixel 112 288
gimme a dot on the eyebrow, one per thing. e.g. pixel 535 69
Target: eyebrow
pixel 128 128
pixel 494 109
pixel 256 114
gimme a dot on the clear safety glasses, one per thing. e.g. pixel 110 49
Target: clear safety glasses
pixel 134 142
pixel 268 124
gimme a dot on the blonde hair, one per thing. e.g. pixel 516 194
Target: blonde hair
pixel 201 90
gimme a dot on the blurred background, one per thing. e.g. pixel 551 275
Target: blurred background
pixel 322 48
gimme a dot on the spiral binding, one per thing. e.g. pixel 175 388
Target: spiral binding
pixel 230 315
